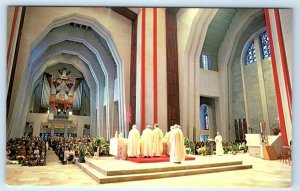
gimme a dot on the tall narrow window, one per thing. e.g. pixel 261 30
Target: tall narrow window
pixel 251 54
pixel 205 61
pixel 265 45
pixel 204 118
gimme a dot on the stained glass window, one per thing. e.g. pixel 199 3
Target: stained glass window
pixel 205 61
pixel 204 118
pixel 251 54
pixel 265 46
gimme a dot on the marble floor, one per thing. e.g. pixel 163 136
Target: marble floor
pixel 264 174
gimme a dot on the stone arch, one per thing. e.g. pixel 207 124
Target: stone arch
pixel 189 106
pixel 190 101
pixel 112 47
pixel 83 67
pixel 225 58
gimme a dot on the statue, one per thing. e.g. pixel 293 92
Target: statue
pixel 244 128
pixel 240 130
pixel 219 146
pixel 236 129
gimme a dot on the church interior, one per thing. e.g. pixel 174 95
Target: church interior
pixel 79 78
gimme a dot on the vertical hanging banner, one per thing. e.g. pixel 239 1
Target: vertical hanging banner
pixel 143 69
pixel 283 61
pixel 276 80
pixel 155 65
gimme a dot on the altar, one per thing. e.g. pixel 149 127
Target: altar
pixel 254 145
pixel 118 148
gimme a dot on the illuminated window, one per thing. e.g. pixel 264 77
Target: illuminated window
pixel 205 61
pixel 251 54
pixel 265 45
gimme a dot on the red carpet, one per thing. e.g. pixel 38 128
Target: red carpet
pixel 163 158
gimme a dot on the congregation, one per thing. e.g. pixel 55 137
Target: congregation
pixel 66 148
pixel 29 151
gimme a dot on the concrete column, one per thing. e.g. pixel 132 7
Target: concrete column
pixel 52 129
pixel 151 69
pixel 79 130
pixel 36 130
pixel 162 70
pixel 262 89
pixel 66 130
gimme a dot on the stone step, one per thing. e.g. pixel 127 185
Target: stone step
pixel 113 172
pixel 102 179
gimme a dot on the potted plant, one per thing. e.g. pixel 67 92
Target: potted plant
pixel 82 153
pixel 104 146
pixel 189 146
pixel 227 149
pixel 202 151
pixel 275 131
pixel 235 149
pixel 20 159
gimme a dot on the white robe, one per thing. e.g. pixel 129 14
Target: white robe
pixel 147 142
pixel 219 146
pixel 157 141
pixel 133 147
pixel 177 151
pixel 167 138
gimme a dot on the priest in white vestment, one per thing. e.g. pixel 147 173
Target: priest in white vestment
pixel 177 150
pixel 157 141
pixel 133 146
pixel 219 146
pixel 167 139
pixel 147 142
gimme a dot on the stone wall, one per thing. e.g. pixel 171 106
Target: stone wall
pixel 254 103
pixel 270 93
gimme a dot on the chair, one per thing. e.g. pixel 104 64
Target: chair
pixel 285 156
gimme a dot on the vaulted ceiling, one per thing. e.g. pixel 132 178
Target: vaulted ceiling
pixel 74 72
pixel 216 32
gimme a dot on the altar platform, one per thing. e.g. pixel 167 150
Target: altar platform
pixel 109 170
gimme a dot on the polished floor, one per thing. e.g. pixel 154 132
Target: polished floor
pixel 264 174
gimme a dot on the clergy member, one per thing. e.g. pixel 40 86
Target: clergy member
pixel 147 142
pixel 177 150
pixel 133 146
pixel 167 139
pixel 157 141
pixel 219 147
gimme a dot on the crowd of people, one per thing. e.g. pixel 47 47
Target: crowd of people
pixel 67 149
pixel 28 151
pixel 31 151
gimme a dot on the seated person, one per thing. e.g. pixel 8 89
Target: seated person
pixel 72 155
pixel 22 151
pixel 66 155
pixel 42 160
pixel 36 153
